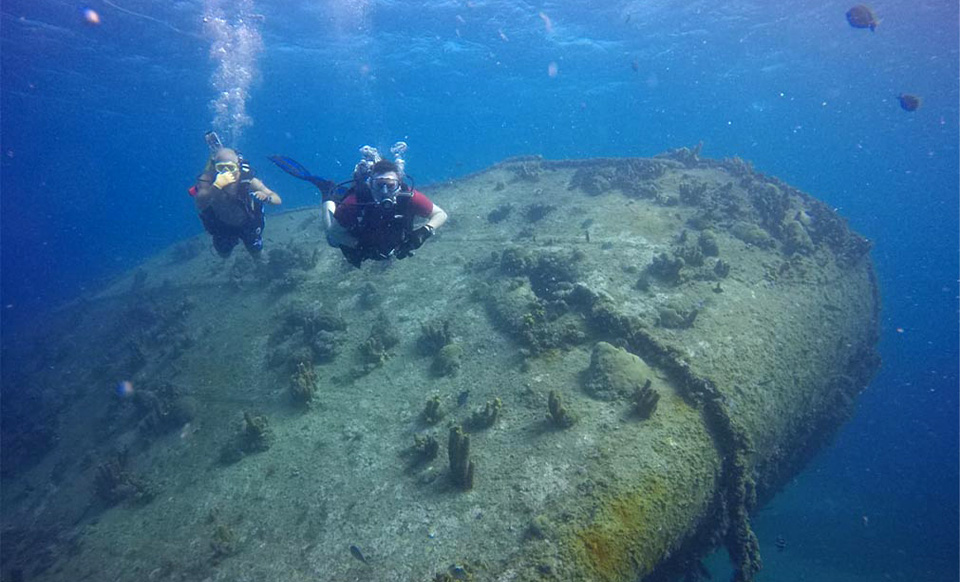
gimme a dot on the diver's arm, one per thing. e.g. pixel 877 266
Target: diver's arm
pixel 337 235
pixel 205 190
pixel 436 218
pixel 415 238
pixel 326 213
pixel 263 193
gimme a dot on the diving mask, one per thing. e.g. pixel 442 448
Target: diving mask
pixel 385 186
pixel 223 167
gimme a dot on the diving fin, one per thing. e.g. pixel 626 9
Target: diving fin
pixel 290 166
pixel 297 170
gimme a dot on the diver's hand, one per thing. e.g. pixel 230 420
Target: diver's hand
pixel 224 179
pixel 414 242
pixel 262 196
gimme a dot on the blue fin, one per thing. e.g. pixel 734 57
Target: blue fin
pixel 297 170
pixel 290 166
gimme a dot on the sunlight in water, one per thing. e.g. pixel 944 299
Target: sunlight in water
pixel 235 42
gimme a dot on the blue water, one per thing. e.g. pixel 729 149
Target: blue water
pixel 102 130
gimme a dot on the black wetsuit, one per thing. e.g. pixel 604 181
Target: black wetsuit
pixel 380 229
pixel 226 236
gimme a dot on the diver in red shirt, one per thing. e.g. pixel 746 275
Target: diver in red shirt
pixel 376 218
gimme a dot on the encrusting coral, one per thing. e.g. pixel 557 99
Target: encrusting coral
pixel 114 483
pixel 223 542
pixel 534 296
pixel 431 411
pixel 303 386
pixel 708 243
pixel 286 267
pixel 425 448
pixel 434 336
pixel 558 416
pixel 614 372
pixel 161 408
pixel 527 171
pixel 721 269
pixel 254 436
pixel 667 268
pixel 671 317
pixel 487 416
pixel 375 350
pixel 500 213
pixel 308 333
pixel 448 360
pixel 537 211
pixel 369 297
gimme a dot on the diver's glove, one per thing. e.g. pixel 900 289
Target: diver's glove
pixel 224 179
pixel 414 241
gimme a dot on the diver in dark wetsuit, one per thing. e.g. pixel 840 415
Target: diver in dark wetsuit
pixel 375 218
pixel 230 199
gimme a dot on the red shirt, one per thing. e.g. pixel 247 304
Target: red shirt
pixel 349 209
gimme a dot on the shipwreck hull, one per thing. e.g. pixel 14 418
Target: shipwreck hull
pixel 706 328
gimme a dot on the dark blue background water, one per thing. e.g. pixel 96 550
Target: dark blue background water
pixel 102 132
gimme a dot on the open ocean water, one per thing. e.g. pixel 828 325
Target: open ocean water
pixel 104 107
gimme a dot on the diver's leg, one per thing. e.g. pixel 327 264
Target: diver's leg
pixel 224 244
pixel 353 256
pixel 253 238
pixel 224 239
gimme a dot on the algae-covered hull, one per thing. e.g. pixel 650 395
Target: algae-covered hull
pixel 595 371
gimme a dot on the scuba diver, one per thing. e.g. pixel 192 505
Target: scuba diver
pixel 373 219
pixel 230 198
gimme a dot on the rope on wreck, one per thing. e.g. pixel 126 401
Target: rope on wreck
pixel 732 442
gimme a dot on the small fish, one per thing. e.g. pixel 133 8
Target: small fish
pixel 188 431
pixel 781 543
pixel 862 16
pixel 909 102
pixel 635 65
pixel 90 16
pixel 547 23
pixel 124 388
pixel 358 554
pixel 463 397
